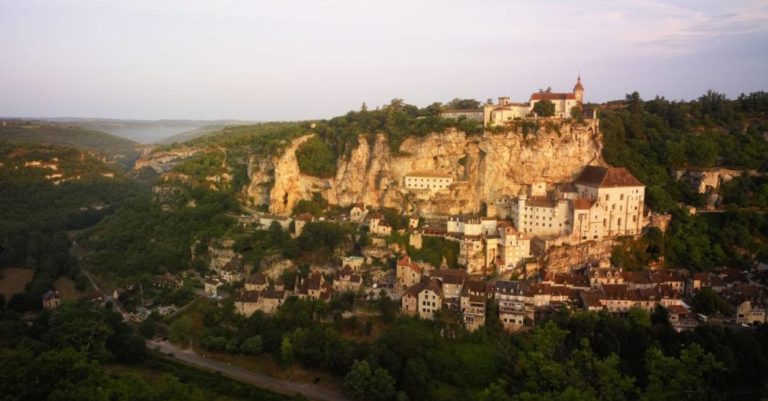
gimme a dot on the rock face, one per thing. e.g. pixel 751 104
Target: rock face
pixel 562 259
pixel 484 168
pixel 163 161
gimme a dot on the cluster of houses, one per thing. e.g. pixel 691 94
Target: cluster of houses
pixel 594 288
pixel 259 294
pixel 601 203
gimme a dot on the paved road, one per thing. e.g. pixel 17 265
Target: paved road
pixel 189 357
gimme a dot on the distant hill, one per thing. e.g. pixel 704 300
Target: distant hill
pixel 147 131
pixel 120 150
pixel 195 133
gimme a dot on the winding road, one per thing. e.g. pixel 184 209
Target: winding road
pixel 189 357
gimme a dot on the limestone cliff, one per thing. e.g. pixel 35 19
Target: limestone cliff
pixel 484 168
pixel 163 161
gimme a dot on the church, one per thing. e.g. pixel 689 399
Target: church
pixel 505 111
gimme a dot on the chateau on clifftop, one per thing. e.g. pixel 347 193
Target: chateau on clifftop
pixel 505 111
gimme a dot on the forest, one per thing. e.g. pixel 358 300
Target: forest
pixel 23 132
pixel 86 352
pixel 36 215
pixel 584 356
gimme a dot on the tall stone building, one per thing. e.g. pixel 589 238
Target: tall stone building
pixel 609 204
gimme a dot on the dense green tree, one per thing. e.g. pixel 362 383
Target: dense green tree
pixel 252 345
pixel 364 383
pixel 634 103
pixel 463 104
pixel 286 351
pixel 686 378
pixel 544 108
pixel 316 158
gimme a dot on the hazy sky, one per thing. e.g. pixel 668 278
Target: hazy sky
pixel 276 60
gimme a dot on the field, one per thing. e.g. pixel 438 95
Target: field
pixel 67 290
pixel 13 280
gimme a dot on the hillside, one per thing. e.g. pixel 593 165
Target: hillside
pixel 196 133
pixel 363 155
pixel 116 149
pixel 48 190
pixel 656 138
pixel 147 131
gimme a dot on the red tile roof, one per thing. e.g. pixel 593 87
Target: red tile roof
pixel 583 203
pixel 598 176
pixel 552 96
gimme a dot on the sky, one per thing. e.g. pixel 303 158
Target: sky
pixel 306 59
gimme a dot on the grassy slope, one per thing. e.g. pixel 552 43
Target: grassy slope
pixel 120 149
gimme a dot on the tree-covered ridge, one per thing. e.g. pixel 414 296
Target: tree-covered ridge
pixel 653 138
pixel 229 150
pixel 35 213
pixel 121 150
pixel 145 237
pixel 33 162
pixel 396 120
pixel 259 139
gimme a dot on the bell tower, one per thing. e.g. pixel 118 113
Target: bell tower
pixel 578 90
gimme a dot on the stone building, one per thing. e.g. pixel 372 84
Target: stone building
pixel 430 299
pixel 541 213
pixel 51 299
pixel 513 247
pixel 408 274
pixel 430 180
pixel 473 297
pixel 610 204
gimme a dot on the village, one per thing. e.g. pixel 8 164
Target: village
pixel 503 266
pixel 544 250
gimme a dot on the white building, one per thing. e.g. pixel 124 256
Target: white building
pixel 541 213
pixel 430 299
pixel 430 180
pixel 513 247
pixel 610 203
pixel 378 226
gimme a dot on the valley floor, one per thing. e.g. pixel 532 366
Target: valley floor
pixel 189 357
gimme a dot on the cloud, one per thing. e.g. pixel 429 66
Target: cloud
pixel 682 30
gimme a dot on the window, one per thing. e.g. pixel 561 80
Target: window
pixel 621 197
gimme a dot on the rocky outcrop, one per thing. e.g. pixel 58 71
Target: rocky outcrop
pixel 163 161
pixel 483 167
pixel 563 259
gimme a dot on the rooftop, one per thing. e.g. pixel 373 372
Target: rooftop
pixel 552 96
pixel 599 176
pixel 426 173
